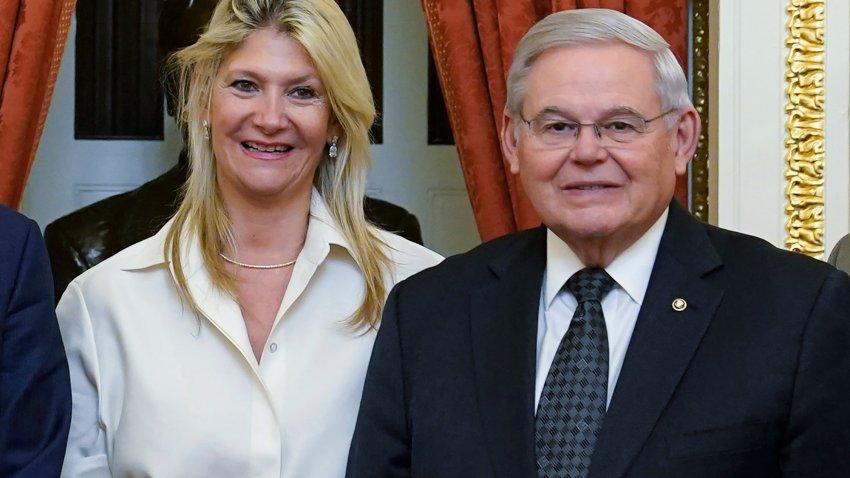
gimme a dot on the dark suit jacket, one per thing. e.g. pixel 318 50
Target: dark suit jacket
pixel 35 391
pixel 752 379
pixel 90 235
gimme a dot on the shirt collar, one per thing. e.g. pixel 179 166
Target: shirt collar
pixel 149 252
pixel 322 232
pixel 631 269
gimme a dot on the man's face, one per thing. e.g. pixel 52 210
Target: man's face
pixel 598 192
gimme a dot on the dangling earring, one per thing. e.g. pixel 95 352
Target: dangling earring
pixel 206 130
pixel 333 151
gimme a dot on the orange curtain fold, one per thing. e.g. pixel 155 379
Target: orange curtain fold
pixel 473 43
pixel 32 39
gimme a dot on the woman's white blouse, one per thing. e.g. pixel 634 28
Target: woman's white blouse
pixel 161 392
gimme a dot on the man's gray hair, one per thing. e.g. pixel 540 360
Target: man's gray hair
pixel 592 26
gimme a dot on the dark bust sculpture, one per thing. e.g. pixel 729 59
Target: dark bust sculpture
pixel 89 235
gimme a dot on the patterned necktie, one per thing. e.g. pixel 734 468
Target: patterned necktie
pixel 573 402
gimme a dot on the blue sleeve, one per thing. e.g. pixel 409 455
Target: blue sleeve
pixel 35 393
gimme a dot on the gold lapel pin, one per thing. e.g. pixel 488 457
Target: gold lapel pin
pixel 679 304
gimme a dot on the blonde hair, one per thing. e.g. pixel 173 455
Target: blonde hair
pixel 323 31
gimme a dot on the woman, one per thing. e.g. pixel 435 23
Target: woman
pixel 235 341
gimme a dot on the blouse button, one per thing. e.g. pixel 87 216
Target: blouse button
pixel 273 347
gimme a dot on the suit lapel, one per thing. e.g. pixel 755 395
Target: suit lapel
pixel 663 342
pixel 504 343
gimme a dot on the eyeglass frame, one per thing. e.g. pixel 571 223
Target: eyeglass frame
pixel 597 127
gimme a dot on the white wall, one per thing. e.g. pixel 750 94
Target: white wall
pixel 427 180
pixel 748 119
pixel 837 137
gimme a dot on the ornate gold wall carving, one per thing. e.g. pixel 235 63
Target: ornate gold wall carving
pixel 699 165
pixel 804 127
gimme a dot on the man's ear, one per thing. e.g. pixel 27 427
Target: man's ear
pixel 509 142
pixel 687 137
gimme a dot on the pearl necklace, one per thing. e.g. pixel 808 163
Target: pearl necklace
pixel 257 266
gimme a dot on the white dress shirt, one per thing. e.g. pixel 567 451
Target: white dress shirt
pixel 631 270
pixel 160 392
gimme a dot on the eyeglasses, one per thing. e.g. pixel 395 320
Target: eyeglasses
pixel 556 131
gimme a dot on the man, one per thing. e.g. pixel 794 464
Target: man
pixel 624 338
pixel 35 390
pixel 840 255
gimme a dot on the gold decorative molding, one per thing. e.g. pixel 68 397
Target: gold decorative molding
pixel 804 127
pixel 699 72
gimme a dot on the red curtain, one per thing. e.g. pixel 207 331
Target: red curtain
pixel 32 38
pixel 473 42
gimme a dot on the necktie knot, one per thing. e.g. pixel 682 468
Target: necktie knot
pixel 590 284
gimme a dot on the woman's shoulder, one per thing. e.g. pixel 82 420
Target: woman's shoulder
pixel 407 257
pixel 143 255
